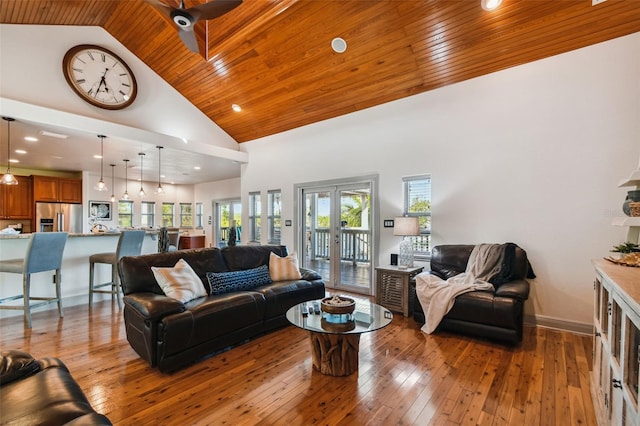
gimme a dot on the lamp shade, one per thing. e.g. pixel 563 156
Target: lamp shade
pixel 406 226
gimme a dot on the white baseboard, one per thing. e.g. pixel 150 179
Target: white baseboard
pixel 558 324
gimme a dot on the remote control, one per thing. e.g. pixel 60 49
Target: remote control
pixel 303 310
pixel 316 308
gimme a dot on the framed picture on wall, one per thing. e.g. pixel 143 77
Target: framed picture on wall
pixel 101 210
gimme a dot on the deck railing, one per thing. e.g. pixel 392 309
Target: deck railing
pixel 354 244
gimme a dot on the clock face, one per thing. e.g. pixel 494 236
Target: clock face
pixel 99 77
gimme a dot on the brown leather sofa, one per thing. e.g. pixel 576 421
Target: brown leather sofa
pixel 496 315
pixel 41 392
pixel 169 334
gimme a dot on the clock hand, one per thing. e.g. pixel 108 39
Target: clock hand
pixel 102 81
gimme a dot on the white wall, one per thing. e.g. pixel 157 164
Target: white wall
pixel 207 194
pixel 532 155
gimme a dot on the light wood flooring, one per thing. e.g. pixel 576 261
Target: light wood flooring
pixel 405 377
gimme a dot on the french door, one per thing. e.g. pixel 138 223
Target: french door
pixel 335 232
pixel 227 213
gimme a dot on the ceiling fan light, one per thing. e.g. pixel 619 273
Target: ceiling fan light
pixel 490 5
pixel 183 19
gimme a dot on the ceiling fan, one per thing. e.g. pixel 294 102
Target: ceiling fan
pixel 185 19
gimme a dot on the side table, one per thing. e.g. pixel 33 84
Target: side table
pixel 392 287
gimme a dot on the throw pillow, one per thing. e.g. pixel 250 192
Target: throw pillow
pixel 180 282
pixel 226 282
pixel 284 268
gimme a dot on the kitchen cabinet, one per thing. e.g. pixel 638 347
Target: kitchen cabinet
pixel 17 200
pixel 58 190
pixel 616 344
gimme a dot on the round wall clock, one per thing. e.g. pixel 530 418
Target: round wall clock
pixel 99 76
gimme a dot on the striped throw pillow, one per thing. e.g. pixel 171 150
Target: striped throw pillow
pixel 284 268
pixel 227 282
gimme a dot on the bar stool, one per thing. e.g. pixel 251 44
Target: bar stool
pixel 129 244
pixel 44 253
pixel 174 239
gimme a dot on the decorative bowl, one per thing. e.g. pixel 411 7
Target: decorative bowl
pixel 338 305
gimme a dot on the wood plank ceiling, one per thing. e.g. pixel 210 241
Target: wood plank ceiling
pixel 273 58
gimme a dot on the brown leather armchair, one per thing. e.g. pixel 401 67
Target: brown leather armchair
pixel 496 315
pixel 38 392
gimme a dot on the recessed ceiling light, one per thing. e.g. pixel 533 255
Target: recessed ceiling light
pixel 97 157
pixel 236 107
pixel 12 160
pixel 338 45
pixel 196 167
pixel 490 4
pixel 20 151
pixel 30 139
pixel 53 135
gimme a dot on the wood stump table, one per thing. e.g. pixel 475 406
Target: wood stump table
pixel 335 339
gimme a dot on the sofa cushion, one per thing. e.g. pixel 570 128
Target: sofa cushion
pixel 284 268
pixel 227 282
pixel 179 282
pixel 16 365
pixel 240 258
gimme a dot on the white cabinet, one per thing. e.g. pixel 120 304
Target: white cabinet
pixel 616 351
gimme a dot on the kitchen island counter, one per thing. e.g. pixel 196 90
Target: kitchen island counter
pixel 71 235
pixel 75 268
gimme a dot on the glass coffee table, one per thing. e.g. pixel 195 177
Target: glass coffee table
pixel 335 338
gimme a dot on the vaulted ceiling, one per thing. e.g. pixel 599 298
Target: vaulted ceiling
pixel 274 58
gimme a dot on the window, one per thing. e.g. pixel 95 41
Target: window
pixel 147 213
pixel 273 215
pixel 254 216
pixel 186 214
pixel 167 214
pixel 417 202
pixel 199 213
pixel 125 214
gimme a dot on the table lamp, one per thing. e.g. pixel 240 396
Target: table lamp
pixel 406 227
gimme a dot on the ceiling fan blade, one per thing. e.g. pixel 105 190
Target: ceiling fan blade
pixel 188 37
pixel 214 8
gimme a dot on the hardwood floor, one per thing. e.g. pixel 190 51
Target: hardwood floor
pixel 405 377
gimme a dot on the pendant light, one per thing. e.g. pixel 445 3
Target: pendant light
pixel 8 178
pixel 141 193
pixel 101 186
pixel 159 189
pixel 125 196
pixel 113 186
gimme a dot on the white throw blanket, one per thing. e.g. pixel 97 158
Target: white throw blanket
pixel 437 296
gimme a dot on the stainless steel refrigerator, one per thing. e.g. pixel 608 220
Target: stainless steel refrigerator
pixel 58 217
